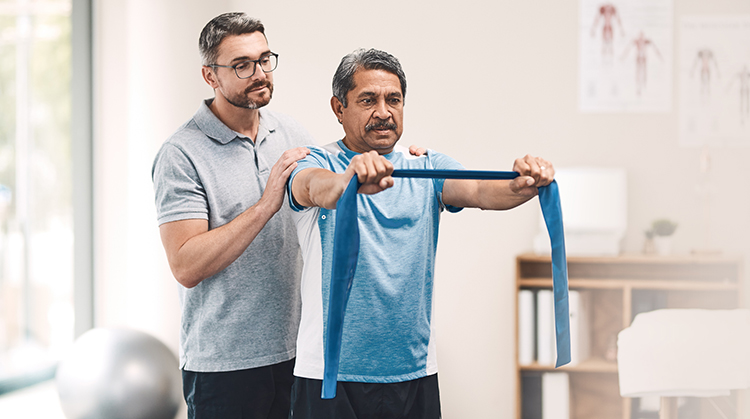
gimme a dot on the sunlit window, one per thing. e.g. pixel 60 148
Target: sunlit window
pixel 36 204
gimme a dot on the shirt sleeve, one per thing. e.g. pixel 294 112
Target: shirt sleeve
pixel 178 190
pixel 439 161
pixel 317 159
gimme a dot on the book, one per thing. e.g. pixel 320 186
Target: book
pixel 545 327
pixel 526 332
pixel 531 391
pixel 555 395
pixel 580 338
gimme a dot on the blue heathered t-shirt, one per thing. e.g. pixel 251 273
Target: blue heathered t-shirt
pixel 387 334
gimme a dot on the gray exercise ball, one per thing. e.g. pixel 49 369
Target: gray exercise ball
pixel 114 373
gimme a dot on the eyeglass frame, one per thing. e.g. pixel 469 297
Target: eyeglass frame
pixel 256 64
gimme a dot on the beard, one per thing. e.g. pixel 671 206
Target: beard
pixel 244 101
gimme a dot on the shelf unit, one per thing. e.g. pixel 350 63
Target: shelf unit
pixel 618 288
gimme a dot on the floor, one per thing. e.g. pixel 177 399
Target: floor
pixel 41 402
pixel 36 402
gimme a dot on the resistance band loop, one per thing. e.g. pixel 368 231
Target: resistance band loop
pixel 346 251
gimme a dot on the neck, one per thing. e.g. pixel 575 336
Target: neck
pixel 242 120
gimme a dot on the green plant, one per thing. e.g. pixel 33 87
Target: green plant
pixel 663 227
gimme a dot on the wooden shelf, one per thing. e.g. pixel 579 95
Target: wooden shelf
pixel 617 288
pixel 619 283
pixel 589 365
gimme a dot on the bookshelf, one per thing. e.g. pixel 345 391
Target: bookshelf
pixel 616 289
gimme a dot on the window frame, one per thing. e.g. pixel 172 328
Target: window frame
pixel 82 176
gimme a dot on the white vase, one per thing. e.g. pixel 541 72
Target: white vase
pixel 663 245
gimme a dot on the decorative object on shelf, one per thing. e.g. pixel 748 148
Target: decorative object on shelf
pixel 684 353
pixel 662 230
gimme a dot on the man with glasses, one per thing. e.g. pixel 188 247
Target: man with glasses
pixel 231 244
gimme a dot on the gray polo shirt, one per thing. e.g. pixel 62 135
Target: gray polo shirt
pixel 247 315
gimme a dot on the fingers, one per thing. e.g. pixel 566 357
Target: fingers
pixel 523 185
pixel 534 171
pixel 417 151
pixel 294 155
pixel 288 161
pixel 373 172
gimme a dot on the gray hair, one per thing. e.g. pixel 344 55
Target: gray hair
pixel 227 24
pixel 368 59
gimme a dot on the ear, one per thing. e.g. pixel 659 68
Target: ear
pixel 209 76
pixel 338 108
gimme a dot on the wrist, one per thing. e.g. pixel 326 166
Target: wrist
pixel 264 208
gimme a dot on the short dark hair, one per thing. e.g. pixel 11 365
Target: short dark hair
pixel 227 24
pixel 368 59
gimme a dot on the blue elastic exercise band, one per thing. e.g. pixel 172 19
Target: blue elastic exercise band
pixel 346 251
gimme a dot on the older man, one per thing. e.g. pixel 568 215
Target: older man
pixel 388 367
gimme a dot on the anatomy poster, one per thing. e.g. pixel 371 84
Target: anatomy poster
pixel 714 77
pixel 625 55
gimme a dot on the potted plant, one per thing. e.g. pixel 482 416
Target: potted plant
pixel 648 244
pixel 662 230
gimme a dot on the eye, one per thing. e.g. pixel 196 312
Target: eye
pixel 265 60
pixel 242 66
pixel 394 101
pixel 366 101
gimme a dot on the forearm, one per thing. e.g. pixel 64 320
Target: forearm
pixel 498 195
pixel 318 188
pixel 484 194
pixel 209 252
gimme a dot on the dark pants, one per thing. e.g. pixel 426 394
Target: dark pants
pixel 416 399
pixel 256 393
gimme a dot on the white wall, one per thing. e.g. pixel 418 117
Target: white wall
pixel 518 95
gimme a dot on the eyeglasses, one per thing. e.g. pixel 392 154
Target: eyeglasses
pixel 246 69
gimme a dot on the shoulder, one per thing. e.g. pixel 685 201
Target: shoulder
pixel 431 160
pixel 186 137
pixel 181 141
pixel 274 118
pixel 324 156
pixel 285 125
pixel 443 161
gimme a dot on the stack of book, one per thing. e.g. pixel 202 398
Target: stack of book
pixel 546 395
pixel 536 327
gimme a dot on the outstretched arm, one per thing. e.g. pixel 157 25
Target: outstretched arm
pixel 195 253
pixel 626 52
pixel 696 62
pixel 322 188
pixel 596 22
pixel 656 50
pixel 716 65
pixel 500 194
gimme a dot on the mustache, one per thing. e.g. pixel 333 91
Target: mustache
pixel 381 125
pixel 257 84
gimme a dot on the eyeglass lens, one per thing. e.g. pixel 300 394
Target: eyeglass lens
pixel 247 69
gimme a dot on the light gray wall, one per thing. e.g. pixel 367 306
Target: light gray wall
pixel 516 94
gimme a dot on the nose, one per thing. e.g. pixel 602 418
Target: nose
pixel 258 74
pixel 381 110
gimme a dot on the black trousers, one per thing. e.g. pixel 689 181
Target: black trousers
pixel 415 399
pixel 256 393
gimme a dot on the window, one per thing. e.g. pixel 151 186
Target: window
pixel 37 157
